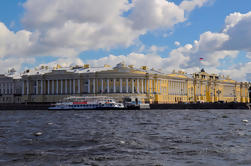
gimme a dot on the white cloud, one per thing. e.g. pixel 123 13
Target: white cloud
pixel 176 43
pixel 189 5
pixel 13 43
pixel 155 49
pixel 165 64
pixel 241 73
pixel 65 62
pixel 238 28
pixel 151 60
pixel 55 13
pixel 65 28
pixel 152 14
pixel 248 55
pixel 7 63
pixel 214 47
pixel 208 47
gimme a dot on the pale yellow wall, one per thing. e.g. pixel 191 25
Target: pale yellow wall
pixel 183 89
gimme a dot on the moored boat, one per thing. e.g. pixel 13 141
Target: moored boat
pixel 87 103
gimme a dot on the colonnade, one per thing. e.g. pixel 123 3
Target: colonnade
pixel 51 87
pixel 177 87
pixel 117 85
pixel 92 86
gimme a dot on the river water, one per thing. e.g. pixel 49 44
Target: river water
pixel 151 137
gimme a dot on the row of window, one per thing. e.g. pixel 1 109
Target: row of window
pixel 6 91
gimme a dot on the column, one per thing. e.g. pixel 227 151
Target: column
pixel 142 86
pixel 22 88
pixel 53 91
pixel 102 85
pixel 127 85
pixel 174 90
pixel 74 86
pixel 66 87
pixel 145 87
pixel 48 90
pixel 9 88
pixel 180 86
pixel 107 84
pixel 148 86
pixel 121 85
pixel 97 86
pixel 13 89
pixel 157 86
pixel 57 88
pixel 183 88
pixel 137 85
pixel 61 86
pixel 27 87
pixel 153 85
pixel 36 87
pixel 114 85
pixel 160 89
pixel 132 86
pixel 5 89
pixel 42 87
pixel 70 86
pixel 78 86
pixel 89 86
pixel 93 86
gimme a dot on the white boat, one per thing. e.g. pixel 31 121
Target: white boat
pixel 87 103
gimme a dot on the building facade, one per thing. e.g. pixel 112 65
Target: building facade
pixel 45 85
pixel 10 89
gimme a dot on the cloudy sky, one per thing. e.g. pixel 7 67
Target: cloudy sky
pixel 162 34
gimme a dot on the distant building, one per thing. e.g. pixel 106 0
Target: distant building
pixel 46 84
pixel 10 88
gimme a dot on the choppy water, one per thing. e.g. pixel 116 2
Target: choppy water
pixel 153 137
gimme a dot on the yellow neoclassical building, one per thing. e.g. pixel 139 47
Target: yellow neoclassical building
pixel 51 85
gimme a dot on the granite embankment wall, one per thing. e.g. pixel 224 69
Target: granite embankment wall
pixel 38 106
pixel 200 106
pixel 44 106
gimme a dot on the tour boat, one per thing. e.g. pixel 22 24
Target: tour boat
pixel 87 103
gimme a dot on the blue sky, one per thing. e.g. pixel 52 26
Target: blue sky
pixel 35 32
